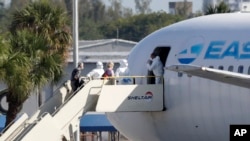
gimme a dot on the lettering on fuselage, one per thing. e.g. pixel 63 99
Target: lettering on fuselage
pixel 216 50
pixel 234 49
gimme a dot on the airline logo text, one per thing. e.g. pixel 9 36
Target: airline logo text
pixel 216 50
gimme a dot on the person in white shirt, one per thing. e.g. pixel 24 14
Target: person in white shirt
pixel 123 70
pixel 156 66
pixel 97 72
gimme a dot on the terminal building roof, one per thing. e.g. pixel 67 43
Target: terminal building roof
pixel 103 50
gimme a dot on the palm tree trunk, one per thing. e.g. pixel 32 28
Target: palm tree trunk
pixel 15 107
pixel 40 98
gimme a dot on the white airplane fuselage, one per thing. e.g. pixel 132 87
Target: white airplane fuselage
pixel 197 109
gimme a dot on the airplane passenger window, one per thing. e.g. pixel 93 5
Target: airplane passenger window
pixel 248 70
pixel 240 69
pixel 230 68
pixel 180 74
pixel 221 67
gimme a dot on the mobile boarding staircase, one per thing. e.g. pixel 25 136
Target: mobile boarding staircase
pixel 59 117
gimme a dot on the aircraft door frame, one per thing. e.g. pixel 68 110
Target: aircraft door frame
pixel 162 52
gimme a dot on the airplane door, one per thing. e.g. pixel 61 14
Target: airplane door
pixel 162 52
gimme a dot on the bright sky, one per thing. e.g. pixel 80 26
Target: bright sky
pixel 157 5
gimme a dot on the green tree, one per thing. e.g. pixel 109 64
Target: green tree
pixel 184 8
pixel 137 27
pixel 40 33
pixel 210 10
pixel 92 10
pixel 142 6
pixel 4 54
pixel 222 7
pixel 18 4
pixel 91 14
pixel 89 30
pixel 14 68
pixel 115 10
pixel 69 7
pixel 205 5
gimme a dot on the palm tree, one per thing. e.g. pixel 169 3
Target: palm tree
pixel 44 19
pixel 15 67
pixel 221 8
pixel 210 9
pixel 40 33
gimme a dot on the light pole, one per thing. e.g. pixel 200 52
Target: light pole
pixel 75 32
pixel 75 53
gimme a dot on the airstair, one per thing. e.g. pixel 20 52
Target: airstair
pixel 59 117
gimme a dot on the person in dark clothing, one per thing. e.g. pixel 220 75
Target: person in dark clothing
pixel 75 76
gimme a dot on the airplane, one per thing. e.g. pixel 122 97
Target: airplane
pixel 204 92
pixel 206 80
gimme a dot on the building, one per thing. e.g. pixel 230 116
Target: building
pixel 181 8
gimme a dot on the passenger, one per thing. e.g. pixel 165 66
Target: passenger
pixel 109 72
pixel 123 71
pixel 97 72
pixel 157 67
pixel 151 79
pixel 75 76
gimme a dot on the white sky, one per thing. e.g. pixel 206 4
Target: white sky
pixel 157 5
pixel 6 2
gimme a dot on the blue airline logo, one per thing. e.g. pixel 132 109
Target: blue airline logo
pixel 217 50
pixel 235 49
pixel 188 56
